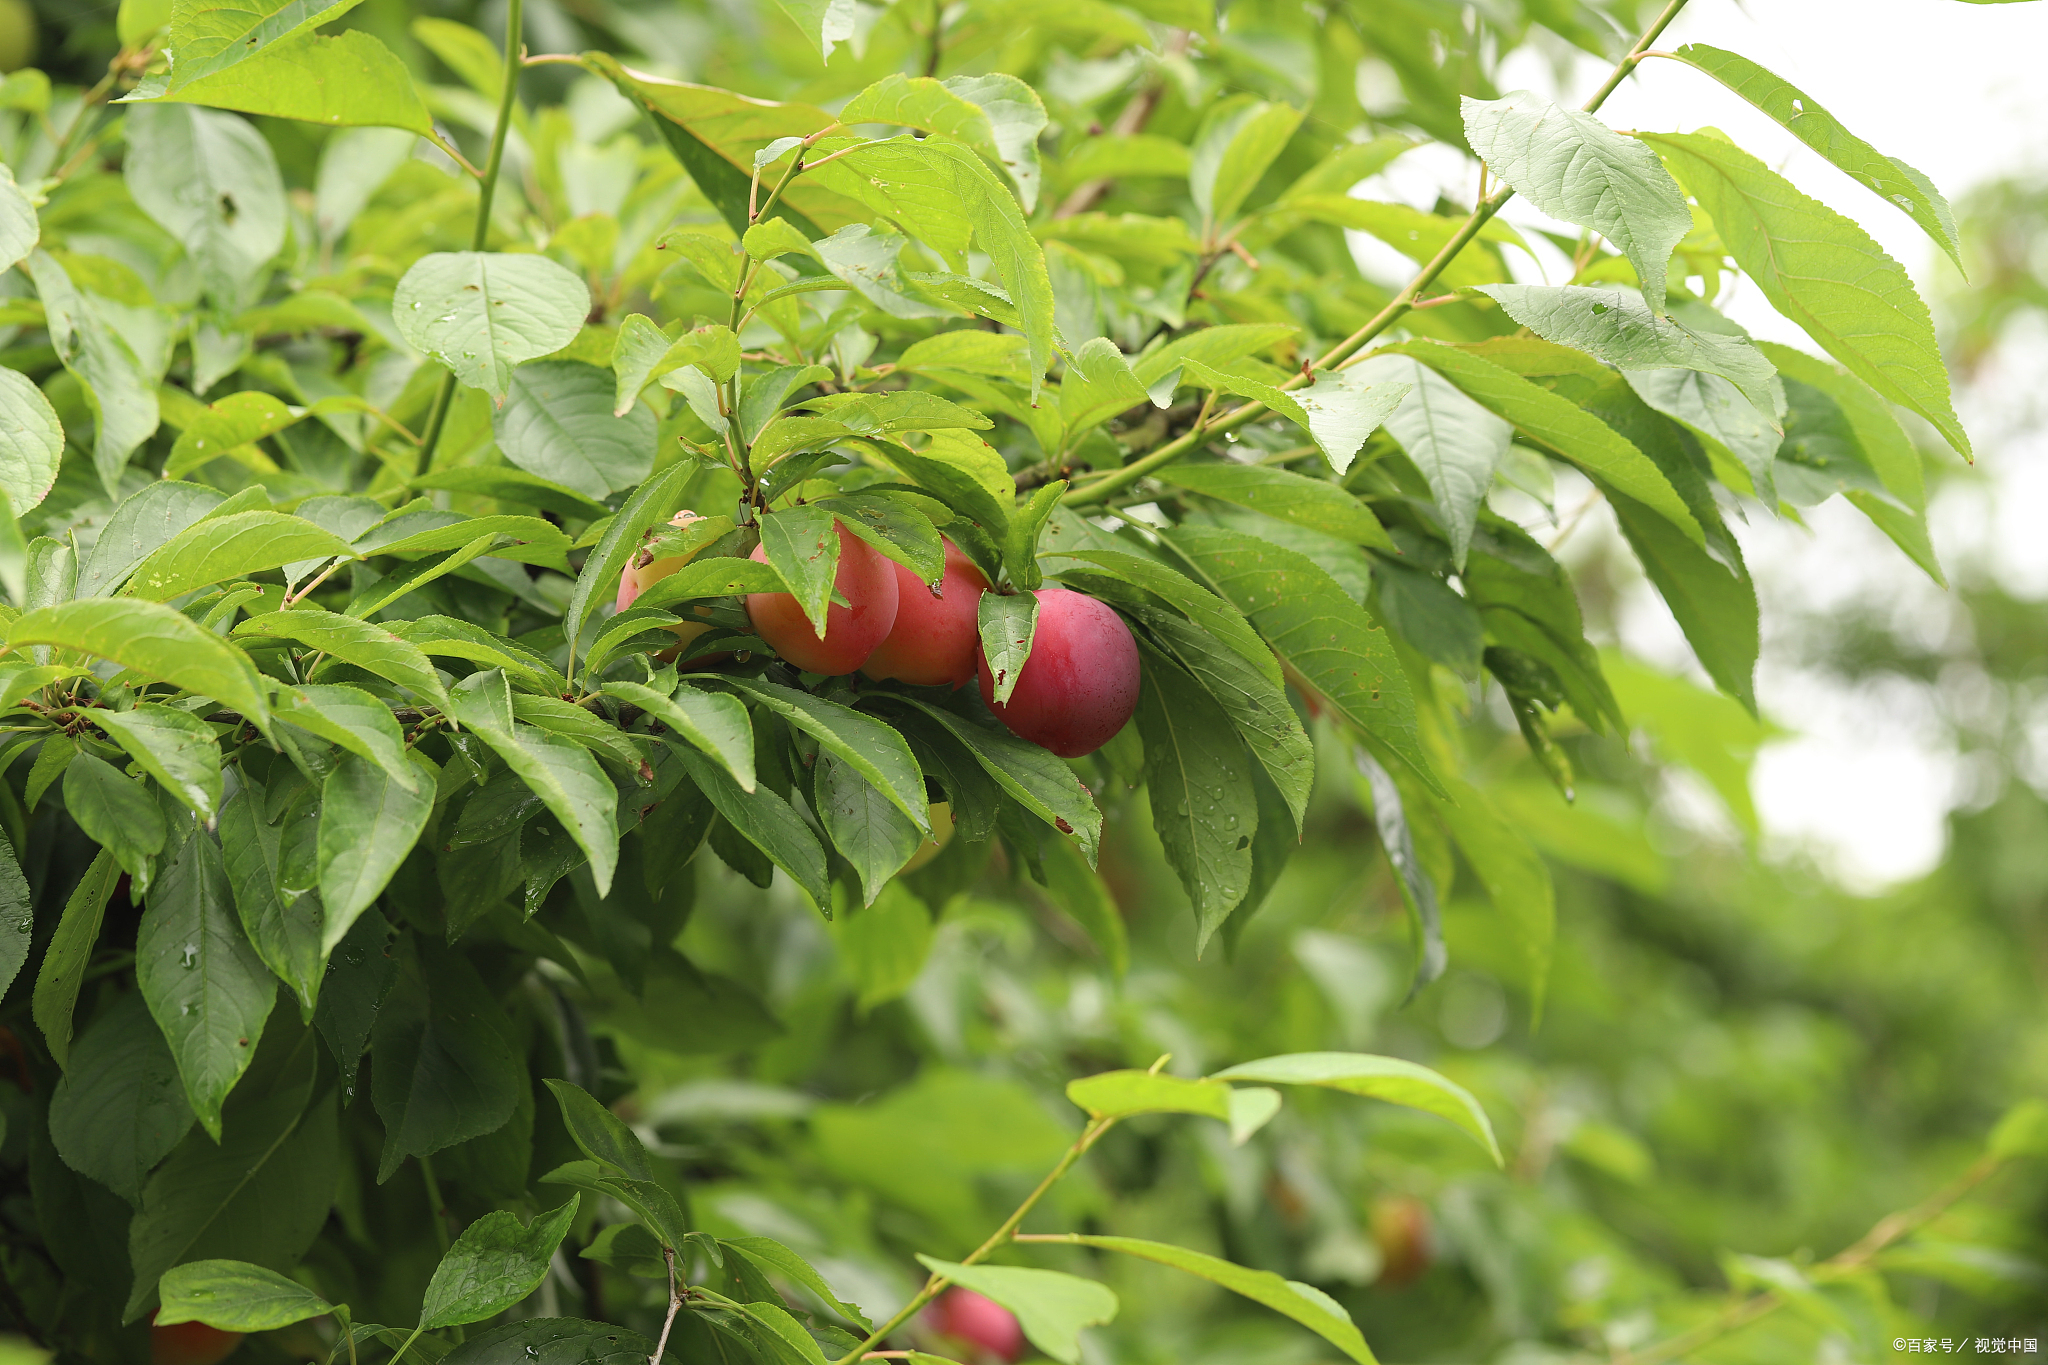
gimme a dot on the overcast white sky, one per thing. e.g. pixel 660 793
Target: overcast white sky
pixel 1956 90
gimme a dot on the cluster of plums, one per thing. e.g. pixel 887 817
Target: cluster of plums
pixel 1076 691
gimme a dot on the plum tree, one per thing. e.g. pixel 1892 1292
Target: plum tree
pixel 190 1343
pixel 976 1320
pixel 1080 684
pixel 867 582
pixel 935 637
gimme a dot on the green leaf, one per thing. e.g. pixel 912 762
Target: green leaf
pixel 1714 410
pixel 31 437
pixel 802 545
pixel 211 181
pixel 225 425
pixel 714 722
pixel 1384 1078
pixel 1257 707
pixel 69 952
pixel 766 821
pixel 342 80
pixel 1516 878
pixel 1051 1307
pixel 1559 425
pixel 493 1265
pixel 355 720
pixel 772 1257
pixel 1306 1304
pixel 1884 445
pixel 1238 140
pixel 1197 778
pixel 1572 166
pixel 1317 629
pixel 206 988
pixel 236 546
pixel 869 746
pixel 827 23
pixel 2021 1132
pixel 1338 408
pixel 1715 602
pixel 1215 347
pixel 554 1341
pixel 260 1194
pixel 569 783
pixel 115 812
pixel 869 832
pixel 513 485
pixel 374 596
pixel 174 747
pixel 118 387
pixel 896 527
pixel 941 174
pixel 153 640
pixel 482 313
pixel 1119 156
pixel 1079 890
pixel 1415 234
pixel 370 647
pixel 1016 116
pixel 119 1110
pixel 234 1296
pixel 1118 1094
pixel 964 472
pixel 600 1133
pixel 140 524
pixel 360 976
pixel 283 925
pixel 652 503
pixel 557 422
pixel 965 108
pixel 1823 272
pixel 213 35
pixel 19 230
pixel 1454 441
pixel 1888 177
pixel 442 1070
pixel 369 822
pixel 1098 385
pixel 1006 624
pixel 1041 783
pixel 1620 329
pixel 644 353
pixel 1314 503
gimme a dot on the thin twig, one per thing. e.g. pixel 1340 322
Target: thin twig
pixel 1885 1232
pixel 444 396
pixel 675 1302
pixel 1133 119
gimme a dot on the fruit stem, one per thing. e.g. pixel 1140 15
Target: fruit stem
pixel 1344 353
pixel 444 396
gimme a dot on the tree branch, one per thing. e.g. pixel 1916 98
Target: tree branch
pixel 1889 1229
pixel 1341 354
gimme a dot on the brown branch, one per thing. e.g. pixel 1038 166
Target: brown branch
pixel 1133 119
pixel 1885 1232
